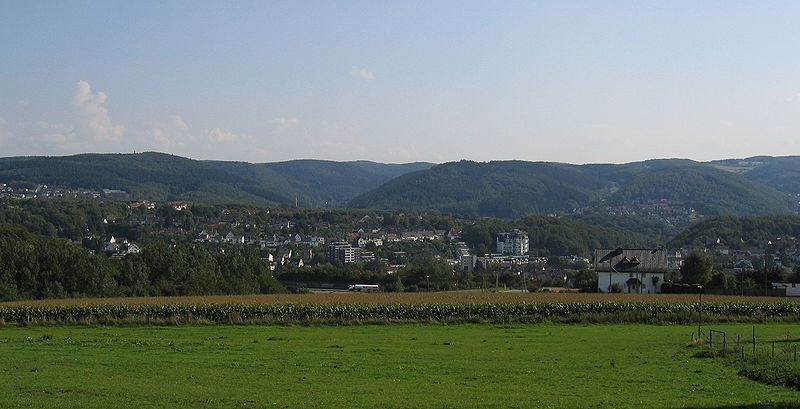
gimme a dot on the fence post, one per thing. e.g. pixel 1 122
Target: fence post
pixel 711 339
pixel 795 352
pixel 724 342
pixel 742 352
pixel 754 341
pixel 737 340
pixel 773 349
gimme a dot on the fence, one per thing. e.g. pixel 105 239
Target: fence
pixel 751 347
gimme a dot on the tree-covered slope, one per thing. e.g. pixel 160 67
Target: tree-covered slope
pixel 556 235
pixel 515 188
pixel 146 175
pixel 738 231
pixel 503 189
pixel 321 181
pixel 709 190
pixel 781 173
pixel 160 176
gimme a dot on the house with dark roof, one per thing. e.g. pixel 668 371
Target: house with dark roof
pixel 639 271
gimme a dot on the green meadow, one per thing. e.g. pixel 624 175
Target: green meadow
pixel 374 366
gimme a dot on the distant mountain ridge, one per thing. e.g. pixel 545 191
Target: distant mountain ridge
pixel 159 176
pixel 516 188
pixel 751 186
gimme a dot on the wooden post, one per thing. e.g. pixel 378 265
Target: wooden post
pixel 724 342
pixel 773 349
pixel 754 340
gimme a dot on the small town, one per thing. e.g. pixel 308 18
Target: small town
pixel 326 250
pixel 406 204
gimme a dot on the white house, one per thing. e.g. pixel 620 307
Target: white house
pixel 792 289
pixel 634 270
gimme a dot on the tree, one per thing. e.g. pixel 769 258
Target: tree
pixel 721 280
pixel 696 269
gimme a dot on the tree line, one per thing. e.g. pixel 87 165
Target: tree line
pixel 37 267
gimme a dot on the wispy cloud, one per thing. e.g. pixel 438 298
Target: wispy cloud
pixel 61 135
pixel 220 136
pixel 95 116
pixel 286 121
pixel 179 123
pixel 363 73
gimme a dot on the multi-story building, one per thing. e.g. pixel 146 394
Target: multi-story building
pixel 341 252
pixel 514 243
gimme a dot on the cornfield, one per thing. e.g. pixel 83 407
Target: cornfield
pixel 383 308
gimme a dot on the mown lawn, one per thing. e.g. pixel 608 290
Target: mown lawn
pixel 372 366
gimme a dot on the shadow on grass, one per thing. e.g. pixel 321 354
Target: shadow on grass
pixel 779 405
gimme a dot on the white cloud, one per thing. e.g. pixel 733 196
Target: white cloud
pixel 160 138
pixel 59 134
pixel 363 73
pixel 220 136
pixel 286 121
pixel 94 115
pixel 179 123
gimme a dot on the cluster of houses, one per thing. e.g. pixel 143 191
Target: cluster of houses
pixel 119 247
pixel 45 191
pixel 256 240
pixel 775 253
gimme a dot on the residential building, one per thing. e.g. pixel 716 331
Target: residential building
pixel 341 252
pixel 513 243
pixel 634 270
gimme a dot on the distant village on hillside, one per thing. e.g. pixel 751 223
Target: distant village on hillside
pixel 284 241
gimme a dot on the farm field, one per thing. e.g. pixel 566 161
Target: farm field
pixel 445 297
pixel 372 366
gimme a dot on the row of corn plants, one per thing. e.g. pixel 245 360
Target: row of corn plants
pixel 599 312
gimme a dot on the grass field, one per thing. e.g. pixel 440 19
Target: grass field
pixel 373 366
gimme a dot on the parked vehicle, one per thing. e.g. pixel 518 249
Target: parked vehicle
pixel 364 287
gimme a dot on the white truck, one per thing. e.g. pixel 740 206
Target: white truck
pixel 364 287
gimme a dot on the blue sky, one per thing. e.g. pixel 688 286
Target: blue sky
pixel 400 81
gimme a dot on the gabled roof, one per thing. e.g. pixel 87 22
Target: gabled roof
pixel 631 260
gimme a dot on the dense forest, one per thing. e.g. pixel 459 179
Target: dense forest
pixel 512 189
pixel 555 236
pixel 738 231
pixel 506 189
pixel 158 176
pixel 708 190
pixel 33 267
pixel 494 189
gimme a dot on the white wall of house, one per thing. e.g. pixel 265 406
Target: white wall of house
pixel 646 279
pixel 792 289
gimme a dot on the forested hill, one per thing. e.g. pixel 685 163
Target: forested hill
pixel 158 176
pixel 515 188
pixel 738 231
pixel 706 189
pixel 500 189
pixel 508 189
pixel 781 173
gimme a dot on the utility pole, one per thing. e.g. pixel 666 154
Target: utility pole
pixel 766 252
